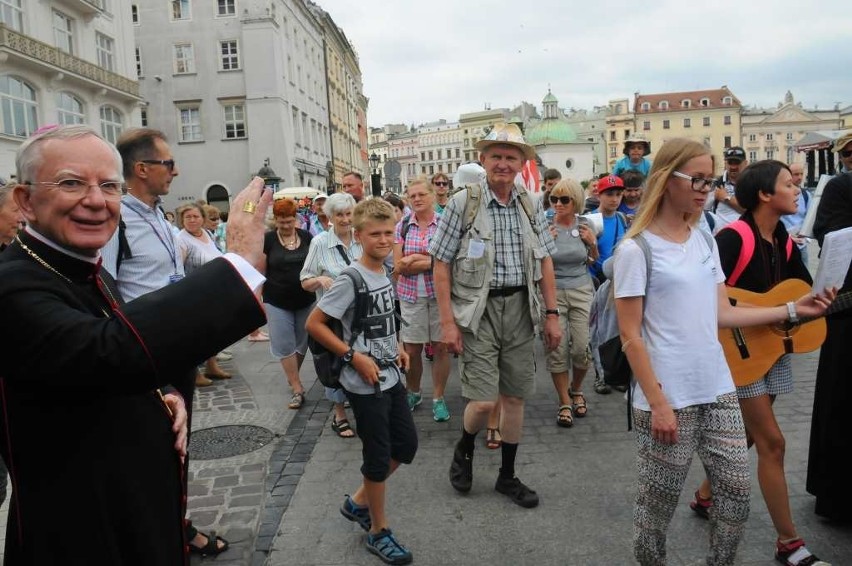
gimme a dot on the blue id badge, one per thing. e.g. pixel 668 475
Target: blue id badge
pixel 175 277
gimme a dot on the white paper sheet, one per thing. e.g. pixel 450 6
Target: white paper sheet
pixel 834 260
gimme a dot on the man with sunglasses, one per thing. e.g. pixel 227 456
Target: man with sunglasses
pixel 441 184
pixel 143 256
pixel 725 202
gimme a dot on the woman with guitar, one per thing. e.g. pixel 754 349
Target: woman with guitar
pixel 686 401
pixel 757 254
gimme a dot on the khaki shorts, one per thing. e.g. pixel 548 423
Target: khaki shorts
pixel 500 359
pixel 422 323
pixel 573 305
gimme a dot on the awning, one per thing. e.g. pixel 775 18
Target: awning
pixel 816 140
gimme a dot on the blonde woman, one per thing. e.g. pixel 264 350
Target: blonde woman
pixel 197 247
pixel 576 247
pixel 685 401
pixel 415 287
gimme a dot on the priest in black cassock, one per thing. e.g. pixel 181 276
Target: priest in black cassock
pixel 92 447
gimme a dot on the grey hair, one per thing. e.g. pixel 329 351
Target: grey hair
pixel 338 202
pixel 28 156
pixel 5 191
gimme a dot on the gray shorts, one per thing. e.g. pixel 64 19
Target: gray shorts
pixel 287 334
pixel 777 381
pixel 500 358
pixel 422 323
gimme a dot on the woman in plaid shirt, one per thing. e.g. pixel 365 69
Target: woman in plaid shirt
pixel 415 288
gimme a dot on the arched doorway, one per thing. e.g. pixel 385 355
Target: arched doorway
pixel 217 195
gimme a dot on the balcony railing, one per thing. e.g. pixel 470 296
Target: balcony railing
pixel 87 7
pixel 32 49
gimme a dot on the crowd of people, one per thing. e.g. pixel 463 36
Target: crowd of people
pixel 474 267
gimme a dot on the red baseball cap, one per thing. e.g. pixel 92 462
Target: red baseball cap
pixel 608 183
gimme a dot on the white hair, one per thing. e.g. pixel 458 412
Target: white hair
pixel 28 156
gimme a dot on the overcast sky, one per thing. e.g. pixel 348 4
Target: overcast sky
pixel 429 59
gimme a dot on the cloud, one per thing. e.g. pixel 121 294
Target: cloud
pixel 426 61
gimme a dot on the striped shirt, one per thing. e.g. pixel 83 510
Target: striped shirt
pixel 507 233
pixel 416 242
pixel 324 257
pixel 152 242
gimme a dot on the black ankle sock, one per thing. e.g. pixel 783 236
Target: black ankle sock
pixel 467 441
pixel 507 470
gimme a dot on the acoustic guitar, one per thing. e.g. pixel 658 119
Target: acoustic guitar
pixel 751 351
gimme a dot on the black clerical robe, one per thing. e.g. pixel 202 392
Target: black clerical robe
pixel 87 439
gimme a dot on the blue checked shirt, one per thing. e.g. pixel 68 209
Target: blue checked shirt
pixel 508 240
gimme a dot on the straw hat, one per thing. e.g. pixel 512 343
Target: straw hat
pixel 506 134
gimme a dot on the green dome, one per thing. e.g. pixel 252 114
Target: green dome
pixel 551 130
pixel 549 97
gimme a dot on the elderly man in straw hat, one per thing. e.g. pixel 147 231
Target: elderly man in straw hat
pixel 492 258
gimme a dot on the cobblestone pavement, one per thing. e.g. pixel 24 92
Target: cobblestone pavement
pixel 278 504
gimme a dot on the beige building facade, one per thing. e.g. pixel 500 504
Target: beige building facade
pixel 773 134
pixel 711 117
pixel 619 126
pixel 474 125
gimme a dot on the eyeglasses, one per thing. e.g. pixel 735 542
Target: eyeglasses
pixel 844 153
pixel 699 184
pixel 440 183
pixel 564 200
pixel 111 190
pixel 170 163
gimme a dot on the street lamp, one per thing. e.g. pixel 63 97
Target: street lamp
pixel 375 176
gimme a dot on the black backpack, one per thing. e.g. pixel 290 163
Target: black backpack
pixel 327 364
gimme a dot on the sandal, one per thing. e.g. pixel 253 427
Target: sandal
pixel 795 553
pixel 580 409
pixel 342 426
pixel 565 417
pixel 493 438
pixel 701 506
pixel 212 547
pixel 296 401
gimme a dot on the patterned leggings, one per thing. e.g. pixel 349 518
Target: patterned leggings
pixel 717 433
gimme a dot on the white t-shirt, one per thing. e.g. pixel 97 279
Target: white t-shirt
pixel 680 326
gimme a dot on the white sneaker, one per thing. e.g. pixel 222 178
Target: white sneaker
pixel 224 356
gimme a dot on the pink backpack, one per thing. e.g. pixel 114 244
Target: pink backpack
pixel 742 228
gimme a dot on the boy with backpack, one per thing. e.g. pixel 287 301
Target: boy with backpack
pixel 371 375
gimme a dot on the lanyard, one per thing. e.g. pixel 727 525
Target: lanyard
pixel 168 242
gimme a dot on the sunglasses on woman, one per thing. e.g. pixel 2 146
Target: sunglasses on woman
pixel 440 183
pixel 564 200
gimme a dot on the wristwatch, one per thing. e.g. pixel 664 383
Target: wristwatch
pixel 347 357
pixel 792 315
pixel 551 311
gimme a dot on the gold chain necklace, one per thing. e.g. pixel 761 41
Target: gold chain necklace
pixel 36 257
pixel 672 238
pixel 289 245
pixel 49 267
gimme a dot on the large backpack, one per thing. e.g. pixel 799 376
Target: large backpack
pixel 327 364
pixel 471 206
pixel 746 234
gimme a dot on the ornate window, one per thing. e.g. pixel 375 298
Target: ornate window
pixel 69 109
pixel 111 123
pixel 18 116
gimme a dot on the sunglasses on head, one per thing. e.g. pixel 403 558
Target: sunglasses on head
pixel 440 183
pixel 845 153
pixel 563 200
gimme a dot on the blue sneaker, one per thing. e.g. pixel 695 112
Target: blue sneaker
pixel 439 410
pixel 384 545
pixel 356 513
pixel 413 399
